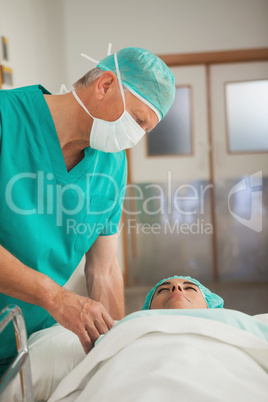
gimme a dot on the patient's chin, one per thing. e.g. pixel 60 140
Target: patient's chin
pixel 178 303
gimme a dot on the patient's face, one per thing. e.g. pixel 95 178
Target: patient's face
pixel 178 293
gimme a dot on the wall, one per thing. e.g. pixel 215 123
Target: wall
pixel 46 37
pixel 170 26
pixel 35 31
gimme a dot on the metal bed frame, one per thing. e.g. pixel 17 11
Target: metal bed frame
pixel 21 363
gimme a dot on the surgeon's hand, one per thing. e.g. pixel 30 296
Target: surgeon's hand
pixel 87 318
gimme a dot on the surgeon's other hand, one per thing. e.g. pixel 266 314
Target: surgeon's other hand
pixel 87 318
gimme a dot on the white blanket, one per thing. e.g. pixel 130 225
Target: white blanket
pixel 175 357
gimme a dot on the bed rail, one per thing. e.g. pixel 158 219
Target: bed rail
pixel 21 363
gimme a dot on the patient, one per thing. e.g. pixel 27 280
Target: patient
pixel 60 351
pixel 181 292
pixel 175 350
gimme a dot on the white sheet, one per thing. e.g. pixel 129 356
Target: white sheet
pixel 54 352
pixel 152 358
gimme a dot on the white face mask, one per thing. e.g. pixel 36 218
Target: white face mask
pixel 114 136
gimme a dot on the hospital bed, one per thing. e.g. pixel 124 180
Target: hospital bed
pixel 21 388
pixel 187 355
pixel 205 355
pixel 21 363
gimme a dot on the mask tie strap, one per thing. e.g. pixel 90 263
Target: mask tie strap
pixel 109 51
pixel 89 58
pixel 63 89
pixel 81 103
pixel 119 79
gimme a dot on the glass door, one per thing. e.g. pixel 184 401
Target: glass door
pixel 239 110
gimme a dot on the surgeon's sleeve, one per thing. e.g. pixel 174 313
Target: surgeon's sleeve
pixel 0 132
pixel 112 224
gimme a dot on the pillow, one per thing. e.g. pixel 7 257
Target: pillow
pixel 48 371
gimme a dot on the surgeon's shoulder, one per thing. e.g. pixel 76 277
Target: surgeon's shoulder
pixel 21 91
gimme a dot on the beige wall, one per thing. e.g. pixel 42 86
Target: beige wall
pixel 46 37
pixel 34 29
pixel 162 26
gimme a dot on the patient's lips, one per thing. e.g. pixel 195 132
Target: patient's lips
pixel 176 295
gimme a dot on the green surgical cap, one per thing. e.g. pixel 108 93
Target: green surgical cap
pixel 145 74
pixel 213 300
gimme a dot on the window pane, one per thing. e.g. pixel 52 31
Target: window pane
pixel 172 136
pixel 247 116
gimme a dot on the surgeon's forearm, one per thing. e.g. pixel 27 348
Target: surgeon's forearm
pixel 23 283
pixel 108 289
pixel 104 277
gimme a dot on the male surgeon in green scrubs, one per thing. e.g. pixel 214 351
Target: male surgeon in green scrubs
pixel 62 180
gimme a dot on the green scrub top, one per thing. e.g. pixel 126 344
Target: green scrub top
pixel 49 217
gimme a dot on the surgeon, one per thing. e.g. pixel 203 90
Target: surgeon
pixel 181 292
pixel 62 179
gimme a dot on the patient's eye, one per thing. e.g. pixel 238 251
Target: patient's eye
pixel 160 290
pixel 190 287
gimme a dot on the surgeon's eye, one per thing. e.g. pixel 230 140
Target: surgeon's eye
pixel 190 287
pixel 138 120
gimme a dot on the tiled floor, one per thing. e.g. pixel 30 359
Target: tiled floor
pixel 250 298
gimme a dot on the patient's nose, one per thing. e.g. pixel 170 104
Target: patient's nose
pixel 176 287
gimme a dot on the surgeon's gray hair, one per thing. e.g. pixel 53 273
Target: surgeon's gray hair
pixel 88 78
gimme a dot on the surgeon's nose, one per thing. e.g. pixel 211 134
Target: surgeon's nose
pixel 176 287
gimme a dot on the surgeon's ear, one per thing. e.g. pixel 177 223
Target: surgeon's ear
pixel 104 84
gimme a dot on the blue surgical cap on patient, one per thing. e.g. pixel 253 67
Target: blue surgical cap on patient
pixel 213 300
pixel 145 75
